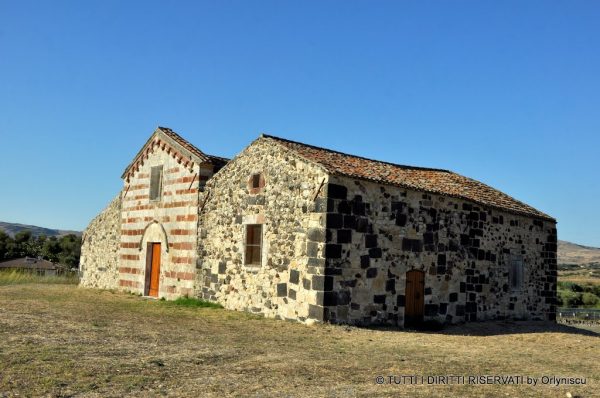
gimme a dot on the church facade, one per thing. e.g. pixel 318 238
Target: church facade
pixel 294 231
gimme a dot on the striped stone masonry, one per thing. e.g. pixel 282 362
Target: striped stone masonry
pixel 171 221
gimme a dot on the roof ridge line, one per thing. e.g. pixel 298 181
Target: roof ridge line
pixel 357 156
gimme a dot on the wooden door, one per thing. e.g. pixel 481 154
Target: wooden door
pixel 154 270
pixel 414 298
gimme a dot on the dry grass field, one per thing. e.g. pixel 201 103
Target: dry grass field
pixel 61 341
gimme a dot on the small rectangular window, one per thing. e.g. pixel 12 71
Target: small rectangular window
pixel 253 244
pixel 255 180
pixel 156 182
pixel 516 273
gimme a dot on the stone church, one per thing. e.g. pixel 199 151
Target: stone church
pixel 294 231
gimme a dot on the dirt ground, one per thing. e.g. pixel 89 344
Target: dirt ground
pixel 61 340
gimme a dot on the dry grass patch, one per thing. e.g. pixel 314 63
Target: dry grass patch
pixel 60 340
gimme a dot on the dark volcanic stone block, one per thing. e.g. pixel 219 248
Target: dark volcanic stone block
pixel 452 245
pixel 465 240
pixel 343 297
pixel 306 283
pixel 294 276
pixel 316 312
pixel 321 205
pixel 333 271
pixel 322 282
pixel 481 254
pixel 379 299
pixel 428 238
pixel 443 308
pixel 370 241
pixel 390 285
pixel 335 191
pixel 362 224
pixel 344 236
pixel 330 299
pixel 344 207
pixel 400 300
pixel 334 220
pixel 316 234
pixel 401 220
pixel 281 289
pixel 441 259
pixel 431 309
pixel 471 307
pixel 375 252
pixel 398 206
pixel 365 261
pixel 333 250
pixel 312 249
pixel 349 222
pixel 358 208
pixel 371 272
pixel 453 297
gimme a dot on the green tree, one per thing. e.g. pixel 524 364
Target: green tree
pixel 4 239
pixel 19 246
pixel 51 249
pixel 70 246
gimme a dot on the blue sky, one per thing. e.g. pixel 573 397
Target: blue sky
pixel 507 92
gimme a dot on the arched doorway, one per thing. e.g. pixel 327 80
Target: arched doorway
pixel 153 247
pixel 414 308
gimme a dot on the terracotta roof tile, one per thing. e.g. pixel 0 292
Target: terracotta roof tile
pixel 184 143
pixel 436 181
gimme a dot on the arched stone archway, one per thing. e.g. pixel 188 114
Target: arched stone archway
pixel 154 232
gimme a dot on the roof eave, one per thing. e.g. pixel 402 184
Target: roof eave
pixel 537 215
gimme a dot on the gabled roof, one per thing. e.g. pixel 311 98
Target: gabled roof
pixel 184 143
pixel 435 181
pixel 178 147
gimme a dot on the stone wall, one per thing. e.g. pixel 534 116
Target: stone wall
pixel 375 234
pixel 290 208
pixel 99 260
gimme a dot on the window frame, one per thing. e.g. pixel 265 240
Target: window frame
pixel 516 273
pixel 258 177
pixel 159 189
pixel 258 246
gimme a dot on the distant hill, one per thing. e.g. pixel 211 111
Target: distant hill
pixel 577 255
pixel 12 228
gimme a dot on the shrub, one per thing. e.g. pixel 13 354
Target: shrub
pixel 572 286
pixel 590 299
pixel 568 298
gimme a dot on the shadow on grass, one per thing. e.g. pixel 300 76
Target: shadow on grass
pixel 494 328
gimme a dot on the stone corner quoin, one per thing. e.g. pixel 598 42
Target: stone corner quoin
pixel 277 232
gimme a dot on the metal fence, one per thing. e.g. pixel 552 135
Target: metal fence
pixel 581 313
